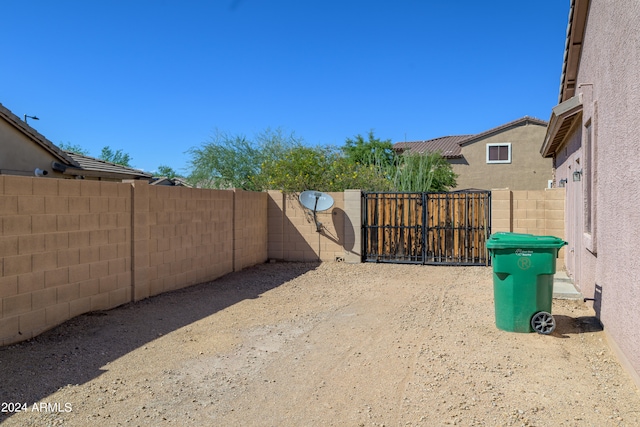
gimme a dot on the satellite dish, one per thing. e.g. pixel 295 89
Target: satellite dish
pixel 316 201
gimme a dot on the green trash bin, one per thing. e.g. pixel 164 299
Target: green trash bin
pixel 523 269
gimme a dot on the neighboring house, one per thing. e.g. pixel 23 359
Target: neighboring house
pixel 503 157
pixel 171 182
pixel 24 151
pixel 594 140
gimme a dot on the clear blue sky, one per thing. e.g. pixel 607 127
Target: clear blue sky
pixel 157 77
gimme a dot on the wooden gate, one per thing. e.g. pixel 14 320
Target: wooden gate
pixel 427 228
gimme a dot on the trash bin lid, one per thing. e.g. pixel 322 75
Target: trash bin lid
pixel 517 240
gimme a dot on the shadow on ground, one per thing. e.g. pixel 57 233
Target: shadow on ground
pixel 566 325
pixel 76 351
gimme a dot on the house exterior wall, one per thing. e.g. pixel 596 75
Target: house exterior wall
pixel 20 156
pixel 606 266
pixel 577 259
pixel 528 170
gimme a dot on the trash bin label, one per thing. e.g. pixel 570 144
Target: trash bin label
pixel 524 263
pixel 522 252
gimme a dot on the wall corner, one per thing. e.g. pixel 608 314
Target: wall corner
pixel 140 241
pixel 353 226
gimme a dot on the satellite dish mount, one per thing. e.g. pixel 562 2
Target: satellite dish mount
pixel 316 201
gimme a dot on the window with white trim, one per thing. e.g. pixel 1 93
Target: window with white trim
pixel 499 153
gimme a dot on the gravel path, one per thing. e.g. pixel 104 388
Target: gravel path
pixel 332 344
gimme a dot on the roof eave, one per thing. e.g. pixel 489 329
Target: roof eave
pixel 573 48
pixel 103 174
pixel 563 117
pixel 518 122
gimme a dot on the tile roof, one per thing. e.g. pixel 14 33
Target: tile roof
pixel 72 163
pixel 91 166
pixel 174 182
pixel 450 146
pixel 519 122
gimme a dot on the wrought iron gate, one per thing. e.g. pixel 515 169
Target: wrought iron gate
pixel 427 228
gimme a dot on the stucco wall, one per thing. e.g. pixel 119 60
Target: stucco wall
pixel 20 156
pixel 579 261
pixel 528 170
pixel 610 89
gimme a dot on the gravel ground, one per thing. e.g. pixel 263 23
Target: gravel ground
pixel 332 344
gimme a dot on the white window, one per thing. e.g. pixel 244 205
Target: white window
pixel 499 153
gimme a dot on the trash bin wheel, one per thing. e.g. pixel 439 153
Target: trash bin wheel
pixel 543 323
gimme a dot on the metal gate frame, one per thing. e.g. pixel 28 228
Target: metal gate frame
pixel 427 228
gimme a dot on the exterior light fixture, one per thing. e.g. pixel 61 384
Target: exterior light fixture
pixel 563 182
pixel 577 175
pixel 30 117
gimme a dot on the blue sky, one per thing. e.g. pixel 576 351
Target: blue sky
pixel 157 77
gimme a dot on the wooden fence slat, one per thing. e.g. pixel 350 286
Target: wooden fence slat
pixel 431 228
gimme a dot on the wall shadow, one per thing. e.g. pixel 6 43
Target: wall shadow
pixel 294 234
pixel 76 351
pixel 344 230
pixel 566 325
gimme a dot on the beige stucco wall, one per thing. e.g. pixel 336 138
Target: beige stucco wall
pixel 21 156
pixel 528 170
pixel 608 83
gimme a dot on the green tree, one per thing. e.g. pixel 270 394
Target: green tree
pixel 229 161
pixel 74 148
pixel 118 157
pixel 300 168
pixel 343 175
pixel 168 172
pixel 372 151
pixel 276 161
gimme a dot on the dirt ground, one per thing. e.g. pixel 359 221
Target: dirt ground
pixel 332 344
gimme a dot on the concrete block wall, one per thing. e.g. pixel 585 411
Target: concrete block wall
pixel 353 226
pixel 539 212
pixel 69 247
pixel 190 237
pixel 292 230
pixel 275 223
pixel 250 229
pixel 65 249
